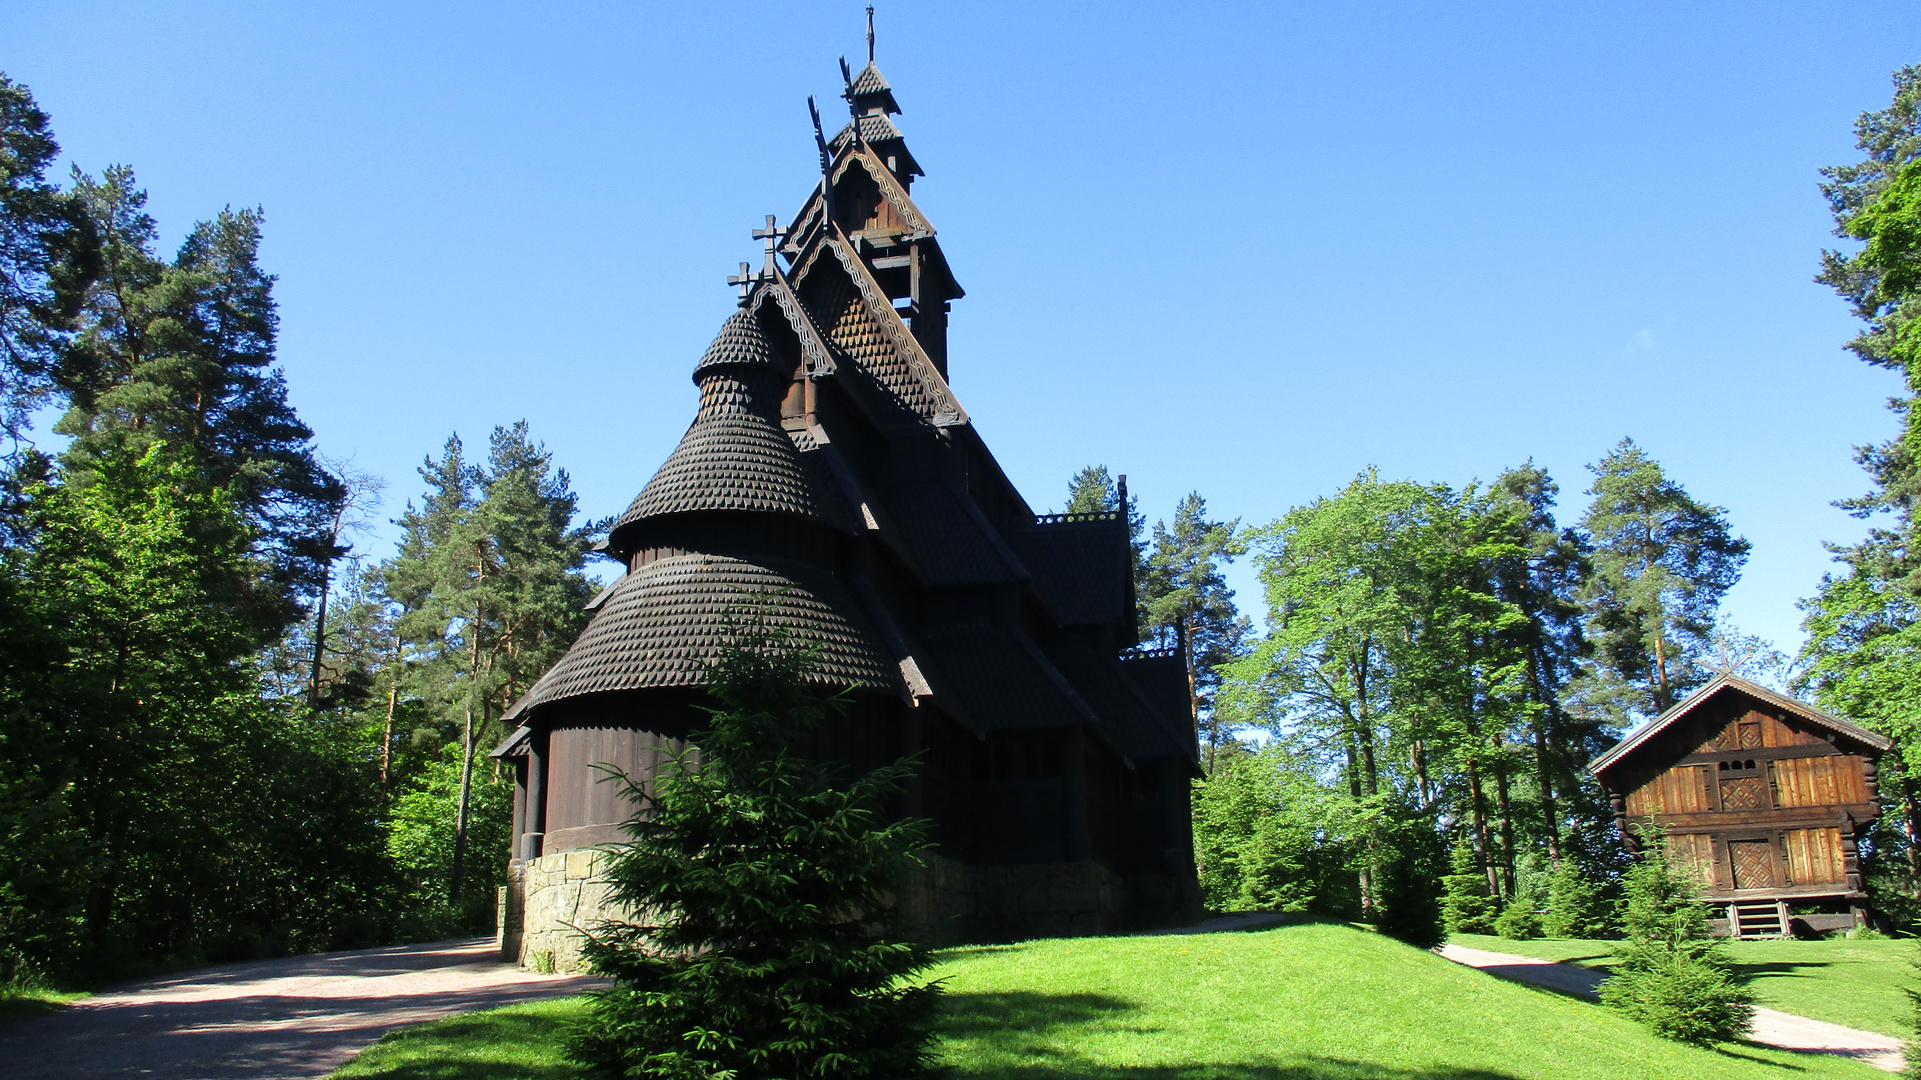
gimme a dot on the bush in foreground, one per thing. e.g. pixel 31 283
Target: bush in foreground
pixel 1672 976
pixel 762 887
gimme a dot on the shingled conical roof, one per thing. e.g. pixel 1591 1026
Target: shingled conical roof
pixel 741 341
pixel 664 623
pixel 734 457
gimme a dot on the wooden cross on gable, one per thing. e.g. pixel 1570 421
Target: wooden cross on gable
pixel 771 239
pixel 770 236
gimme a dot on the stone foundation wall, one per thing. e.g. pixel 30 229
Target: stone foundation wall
pixel 548 901
pixel 545 905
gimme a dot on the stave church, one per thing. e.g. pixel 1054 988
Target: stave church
pixel 831 462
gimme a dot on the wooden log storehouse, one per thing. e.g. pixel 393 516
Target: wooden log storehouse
pixel 831 461
pixel 1761 796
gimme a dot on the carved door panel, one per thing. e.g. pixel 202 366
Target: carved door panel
pixel 1753 862
pixel 1742 793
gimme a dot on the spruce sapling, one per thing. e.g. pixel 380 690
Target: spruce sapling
pixel 760 884
pixel 1672 976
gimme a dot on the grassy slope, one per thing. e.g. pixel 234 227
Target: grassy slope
pixel 1306 1002
pixel 1857 983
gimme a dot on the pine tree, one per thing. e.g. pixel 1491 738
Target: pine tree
pixel 487 591
pixel 182 352
pixel 47 255
pixel 1189 606
pixel 760 884
pixel 1662 561
pixel 1576 903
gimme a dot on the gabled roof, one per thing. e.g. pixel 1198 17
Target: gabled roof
pixel 1730 684
pixel 857 318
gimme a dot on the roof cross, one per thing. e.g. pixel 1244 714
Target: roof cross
pixel 770 236
pixel 744 281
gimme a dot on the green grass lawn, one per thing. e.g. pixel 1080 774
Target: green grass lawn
pixel 1857 983
pixel 1314 1001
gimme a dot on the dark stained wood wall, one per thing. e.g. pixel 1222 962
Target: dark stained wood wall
pixel 1758 802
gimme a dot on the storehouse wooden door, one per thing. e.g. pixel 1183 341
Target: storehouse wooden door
pixel 1753 862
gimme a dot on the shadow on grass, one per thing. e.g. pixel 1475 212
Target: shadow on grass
pixel 1017 1025
pixel 1788 969
pixel 1773 1063
pixel 26 1008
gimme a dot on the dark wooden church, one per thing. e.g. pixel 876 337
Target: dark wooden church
pixel 831 460
pixel 1761 796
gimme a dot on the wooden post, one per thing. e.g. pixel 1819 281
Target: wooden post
pixel 532 840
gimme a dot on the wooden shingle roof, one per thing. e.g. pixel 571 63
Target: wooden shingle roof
pixel 734 456
pixel 1080 564
pixel 1128 716
pixel 664 623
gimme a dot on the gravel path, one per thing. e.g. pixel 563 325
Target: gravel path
pixel 1785 1031
pixel 276 1019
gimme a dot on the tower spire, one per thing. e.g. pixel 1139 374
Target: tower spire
pixel 870 33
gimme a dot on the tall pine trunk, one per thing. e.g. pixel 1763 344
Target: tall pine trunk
pixel 320 636
pixel 467 748
pixel 387 732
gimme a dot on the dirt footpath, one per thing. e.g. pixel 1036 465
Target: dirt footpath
pixel 1784 1031
pixel 274 1019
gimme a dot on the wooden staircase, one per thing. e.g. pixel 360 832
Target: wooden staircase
pixel 1766 918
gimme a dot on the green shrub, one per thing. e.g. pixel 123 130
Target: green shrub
pixel 761 884
pixel 1519 921
pixel 1466 907
pixel 1405 886
pixel 1576 903
pixel 1682 998
pixel 1672 976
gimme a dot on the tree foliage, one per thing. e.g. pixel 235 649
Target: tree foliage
pixel 1862 657
pixel 1672 976
pixel 47 255
pixel 761 884
pixel 1661 563
pixel 169 811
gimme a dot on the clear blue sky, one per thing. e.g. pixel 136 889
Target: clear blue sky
pixel 1245 249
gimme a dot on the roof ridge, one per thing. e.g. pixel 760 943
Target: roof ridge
pixel 1730 681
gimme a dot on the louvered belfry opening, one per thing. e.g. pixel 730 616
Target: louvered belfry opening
pixel 831 465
